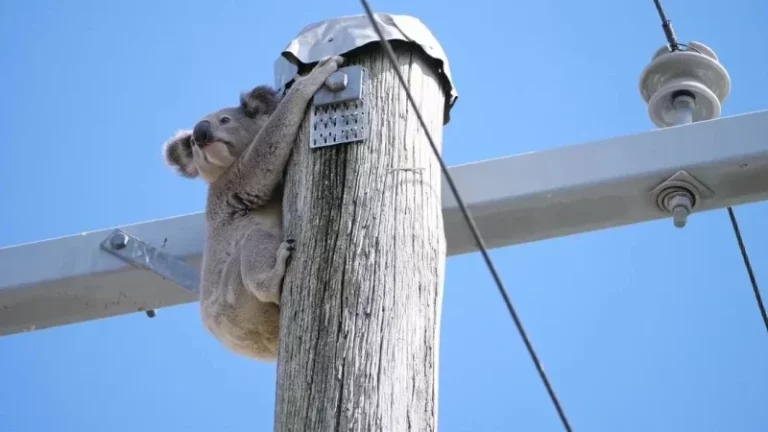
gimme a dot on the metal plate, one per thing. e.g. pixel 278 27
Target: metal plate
pixel 352 92
pixel 340 117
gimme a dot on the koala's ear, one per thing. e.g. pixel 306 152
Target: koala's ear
pixel 261 100
pixel 177 152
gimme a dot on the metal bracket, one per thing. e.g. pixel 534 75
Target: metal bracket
pixel 339 113
pixel 682 179
pixel 679 196
pixel 143 255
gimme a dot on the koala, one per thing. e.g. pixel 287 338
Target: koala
pixel 241 153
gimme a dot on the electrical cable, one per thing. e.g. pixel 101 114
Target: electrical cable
pixel 470 221
pixel 667 26
pixel 674 45
pixel 747 264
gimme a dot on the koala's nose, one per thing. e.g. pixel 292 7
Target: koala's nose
pixel 202 133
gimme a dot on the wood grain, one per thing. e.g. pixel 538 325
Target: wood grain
pixel 361 302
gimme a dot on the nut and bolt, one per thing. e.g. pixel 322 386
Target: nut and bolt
pixel 679 203
pixel 118 241
pixel 337 81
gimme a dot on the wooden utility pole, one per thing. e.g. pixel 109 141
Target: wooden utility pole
pixel 361 302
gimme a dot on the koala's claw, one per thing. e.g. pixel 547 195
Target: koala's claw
pixel 311 83
pixel 338 60
pixel 285 252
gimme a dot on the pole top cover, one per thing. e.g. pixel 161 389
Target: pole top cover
pixel 341 35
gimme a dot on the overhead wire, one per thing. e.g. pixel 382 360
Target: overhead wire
pixel 667 26
pixel 748 265
pixel 674 46
pixel 470 221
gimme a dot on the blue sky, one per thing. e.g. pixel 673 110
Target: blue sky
pixel 641 328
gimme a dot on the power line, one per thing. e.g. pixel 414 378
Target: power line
pixel 667 26
pixel 675 46
pixel 748 265
pixel 470 221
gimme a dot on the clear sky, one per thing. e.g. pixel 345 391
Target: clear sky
pixel 641 328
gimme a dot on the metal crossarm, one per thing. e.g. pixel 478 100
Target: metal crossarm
pixel 515 199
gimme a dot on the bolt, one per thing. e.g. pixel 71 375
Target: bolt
pixel 680 216
pixel 679 204
pixel 118 241
pixel 684 103
pixel 151 313
pixel 337 81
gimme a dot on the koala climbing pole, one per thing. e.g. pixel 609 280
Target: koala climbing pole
pixel 361 302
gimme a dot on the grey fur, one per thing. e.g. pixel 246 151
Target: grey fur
pixel 245 257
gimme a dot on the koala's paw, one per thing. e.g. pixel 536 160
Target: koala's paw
pixel 285 251
pixel 272 296
pixel 324 68
pixel 330 62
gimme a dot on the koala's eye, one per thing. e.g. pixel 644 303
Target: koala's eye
pixel 224 120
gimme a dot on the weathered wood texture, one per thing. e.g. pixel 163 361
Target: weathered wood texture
pixel 361 302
